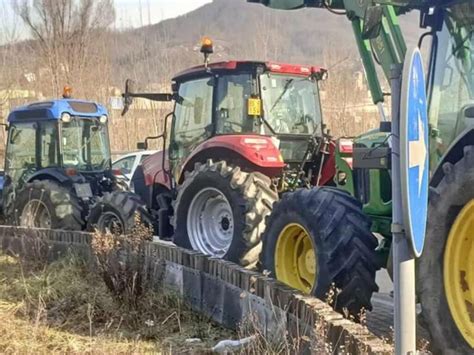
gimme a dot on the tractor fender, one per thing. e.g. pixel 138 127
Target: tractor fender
pixel 153 170
pixel 55 174
pixel 453 154
pixel 328 170
pixel 253 152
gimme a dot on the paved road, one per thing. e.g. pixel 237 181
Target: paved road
pixel 380 319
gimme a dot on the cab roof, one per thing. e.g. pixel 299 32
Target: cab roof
pixel 282 68
pixel 53 110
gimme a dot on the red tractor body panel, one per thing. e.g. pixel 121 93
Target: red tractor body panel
pixel 329 167
pixel 259 150
pixel 256 151
pixel 153 170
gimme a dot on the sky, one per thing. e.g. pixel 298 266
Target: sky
pixel 128 14
pixel 152 11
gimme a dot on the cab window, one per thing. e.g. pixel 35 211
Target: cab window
pixel 31 146
pixel 233 94
pixel 193 120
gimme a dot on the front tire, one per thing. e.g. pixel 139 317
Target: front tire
pixel 220 211
pixel 46 204
pixel 118 213
pixel 320 237
pixel 445 268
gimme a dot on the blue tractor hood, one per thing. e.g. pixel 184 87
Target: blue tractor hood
pixel 54 109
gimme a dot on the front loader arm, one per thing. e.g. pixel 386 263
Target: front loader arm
pixel 385 45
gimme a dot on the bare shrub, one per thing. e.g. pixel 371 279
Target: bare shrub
pixel 121 262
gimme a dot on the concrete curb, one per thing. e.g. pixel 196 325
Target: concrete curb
pixel 221 290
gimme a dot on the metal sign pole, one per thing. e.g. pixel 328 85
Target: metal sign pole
pixel 403 258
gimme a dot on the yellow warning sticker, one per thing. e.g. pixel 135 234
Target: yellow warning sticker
pixel 254 107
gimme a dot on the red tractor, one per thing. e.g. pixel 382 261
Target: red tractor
pixel 244 135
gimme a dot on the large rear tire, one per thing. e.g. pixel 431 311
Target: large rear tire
pixel 320 237
pixel 220 210
pixel 118 212
pixel 46 204
pixel 445 271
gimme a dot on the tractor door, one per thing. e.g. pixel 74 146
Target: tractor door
pixel 31 147
pixel 233 93
pixel 193 118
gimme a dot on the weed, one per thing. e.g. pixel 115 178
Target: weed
pixel 67 307
pixel 121 261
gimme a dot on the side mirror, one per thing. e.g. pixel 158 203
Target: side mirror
pixel 142 146
pixel 174 87
pixel 372 22
pixel 127 95
pixel 469 112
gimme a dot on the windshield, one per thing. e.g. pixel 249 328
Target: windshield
pixel 291 104
pixel 453 76
pixel 85 144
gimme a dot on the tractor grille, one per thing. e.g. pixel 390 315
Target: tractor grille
pixel 83 107
pixel 362 185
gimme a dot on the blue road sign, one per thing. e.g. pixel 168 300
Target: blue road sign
pixel 414 150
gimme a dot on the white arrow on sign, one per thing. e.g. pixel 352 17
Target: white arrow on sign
pixel 417 153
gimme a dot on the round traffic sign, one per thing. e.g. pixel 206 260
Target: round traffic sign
pixel 414 150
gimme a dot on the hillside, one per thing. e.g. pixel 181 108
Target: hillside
pixel 151 55
pixel 241 31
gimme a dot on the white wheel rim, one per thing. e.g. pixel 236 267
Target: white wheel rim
pixel 35 215
pixel 210 222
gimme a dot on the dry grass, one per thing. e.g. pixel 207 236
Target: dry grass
pixel 66 307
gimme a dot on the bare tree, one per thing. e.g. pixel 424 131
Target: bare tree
pixel 66 33
pixel 345 98
pixel 8 38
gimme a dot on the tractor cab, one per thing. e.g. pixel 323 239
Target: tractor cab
pixel 257 98
pixel 56 139
pixel 265 113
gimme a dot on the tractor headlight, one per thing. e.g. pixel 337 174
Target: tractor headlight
pixel 66 117
pixel 103 119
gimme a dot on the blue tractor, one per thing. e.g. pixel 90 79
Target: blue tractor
pixel 58 165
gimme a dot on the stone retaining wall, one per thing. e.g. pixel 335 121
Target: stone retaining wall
pixel 221 290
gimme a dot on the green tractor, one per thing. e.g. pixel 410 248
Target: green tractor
pixel 445 271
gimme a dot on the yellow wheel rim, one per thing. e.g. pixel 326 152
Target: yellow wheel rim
pixel 295 258
pixel 459 272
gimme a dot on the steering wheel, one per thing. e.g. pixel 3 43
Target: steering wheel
pixel 303 123
pixel 72 156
